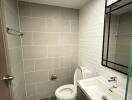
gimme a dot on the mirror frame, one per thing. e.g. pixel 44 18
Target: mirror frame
pixel 104 33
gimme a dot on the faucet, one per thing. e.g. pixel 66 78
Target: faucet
pixel 113 79
pixel 111 88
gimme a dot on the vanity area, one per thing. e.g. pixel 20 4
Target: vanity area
pixel 116 55
pixel 98 88
pixel 81 95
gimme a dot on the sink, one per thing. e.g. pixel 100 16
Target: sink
pixel 96 89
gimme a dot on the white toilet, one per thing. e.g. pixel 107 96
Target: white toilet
pixel 69 91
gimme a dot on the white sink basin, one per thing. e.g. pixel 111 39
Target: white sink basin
pixel 95 88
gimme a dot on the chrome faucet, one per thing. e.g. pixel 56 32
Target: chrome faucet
pixel 113 79
pixel 111 88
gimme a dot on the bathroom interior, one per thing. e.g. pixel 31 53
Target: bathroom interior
pixel 65 49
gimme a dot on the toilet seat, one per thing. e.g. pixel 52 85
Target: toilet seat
pixel 66 91
pixel 69 92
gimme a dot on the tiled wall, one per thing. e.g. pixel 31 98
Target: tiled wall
pixel 14 48
pixel 90 41
pixel 49 45
pixel 91 21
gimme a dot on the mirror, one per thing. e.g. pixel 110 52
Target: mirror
pixel 117 35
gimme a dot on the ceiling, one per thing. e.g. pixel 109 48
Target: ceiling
pixel 77 4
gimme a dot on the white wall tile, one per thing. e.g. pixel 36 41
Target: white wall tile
pixel 90 40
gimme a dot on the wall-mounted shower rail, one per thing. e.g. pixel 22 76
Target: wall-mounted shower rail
pixel 14 32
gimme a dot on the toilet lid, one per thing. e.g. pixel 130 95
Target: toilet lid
pixel 66 91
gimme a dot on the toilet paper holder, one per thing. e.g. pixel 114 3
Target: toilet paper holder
pixel 53 77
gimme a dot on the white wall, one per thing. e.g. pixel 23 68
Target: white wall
pixel 111 1
pixel 91 23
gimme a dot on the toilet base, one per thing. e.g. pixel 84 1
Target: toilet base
pixel 74 98
pixel 49 98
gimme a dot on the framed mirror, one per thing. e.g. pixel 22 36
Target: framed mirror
pixel 117 35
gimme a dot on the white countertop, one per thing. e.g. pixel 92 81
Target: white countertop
pixel 96 87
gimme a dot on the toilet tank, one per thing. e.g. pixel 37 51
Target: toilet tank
pixel 83 73
pixel 88 73
pixel 78 75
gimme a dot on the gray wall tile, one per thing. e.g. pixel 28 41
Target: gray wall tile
pixel 26 23
pixel 24 9
pixel 14 49
pixel 27 38
pixel 49 47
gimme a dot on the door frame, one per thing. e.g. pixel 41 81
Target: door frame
pixel 4 38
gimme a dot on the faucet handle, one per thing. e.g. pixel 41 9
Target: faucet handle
pixel 113 78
